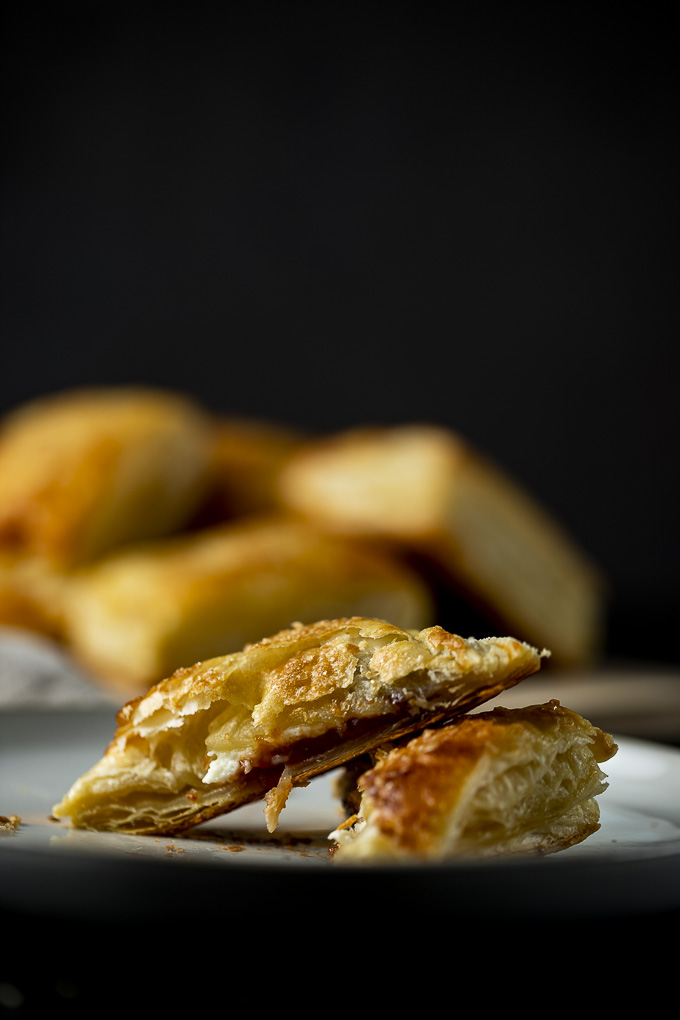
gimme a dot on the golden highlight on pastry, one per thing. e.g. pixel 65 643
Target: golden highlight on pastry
pixel 256 723
pixel 424 489
pixel 507 781
pixel 86 470
pixel 136 616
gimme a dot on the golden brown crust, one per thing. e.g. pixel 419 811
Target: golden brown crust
pixel 426 490
pixel 86 470
pixel 258 722
pixel 505 781
pixel 136 616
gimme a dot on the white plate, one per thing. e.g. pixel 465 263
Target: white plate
pixel 631 865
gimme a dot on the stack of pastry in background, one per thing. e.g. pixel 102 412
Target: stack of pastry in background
pixel 145 533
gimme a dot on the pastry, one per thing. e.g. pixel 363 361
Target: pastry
pixel 84 471
pixel 137 615
pixel 425 490
pixel 258 722
pixel 506 781
pixel 248 455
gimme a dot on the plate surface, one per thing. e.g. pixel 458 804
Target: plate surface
pixel 631 865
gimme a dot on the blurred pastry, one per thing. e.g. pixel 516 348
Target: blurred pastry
pixel 504 782
pixel 258 722
pixel 424 489
pixel 248 455
pixel 137 615
pixel 87 470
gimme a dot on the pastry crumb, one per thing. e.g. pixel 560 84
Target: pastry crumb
pixel 9 823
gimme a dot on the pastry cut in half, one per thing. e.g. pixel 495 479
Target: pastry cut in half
pixel 500 782
pixel 256 723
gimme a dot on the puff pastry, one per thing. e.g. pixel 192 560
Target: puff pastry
pixel 84 471
pixel 248 456
pixel 258 722
pixel 423 488
pixel 138 615
pixel 508 781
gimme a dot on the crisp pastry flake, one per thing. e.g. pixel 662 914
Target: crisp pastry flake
pixel 256 723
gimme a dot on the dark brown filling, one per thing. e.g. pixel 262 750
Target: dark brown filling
pixel 310 756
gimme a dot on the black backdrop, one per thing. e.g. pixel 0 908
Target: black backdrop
pixel 332 214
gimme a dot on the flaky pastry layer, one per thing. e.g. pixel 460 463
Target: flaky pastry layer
pixel 258 722
pixel 508 781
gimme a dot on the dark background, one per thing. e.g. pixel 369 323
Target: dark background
pixel 339 214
